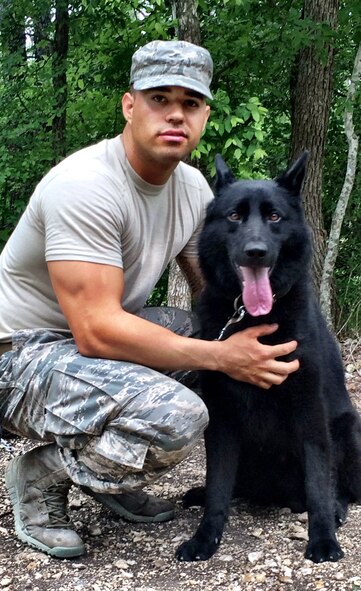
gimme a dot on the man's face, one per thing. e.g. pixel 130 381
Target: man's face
pixel 166 123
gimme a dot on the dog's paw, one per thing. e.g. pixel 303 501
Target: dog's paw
pixel 195 497
pixel 194 549
pixel 340 513
pixel 327 550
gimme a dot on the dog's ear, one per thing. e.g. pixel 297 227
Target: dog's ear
pixel 293 178
pixel 224 175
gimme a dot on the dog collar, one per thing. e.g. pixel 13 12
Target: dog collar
pixel 238 315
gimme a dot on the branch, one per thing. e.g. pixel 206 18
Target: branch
pixel 339 213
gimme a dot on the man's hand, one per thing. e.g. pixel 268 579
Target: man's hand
pixel 244 358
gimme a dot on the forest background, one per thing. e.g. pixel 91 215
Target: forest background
pixel 287 77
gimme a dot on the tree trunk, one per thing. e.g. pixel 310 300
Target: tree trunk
pixel 188 30
pixel 178 291
pixel 339 214
pixel 61 41
pixel 185 12
pixel 311 94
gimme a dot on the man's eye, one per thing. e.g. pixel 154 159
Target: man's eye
pixel 192 104
pixel 234 217
pixel 158 98
pixel 274 216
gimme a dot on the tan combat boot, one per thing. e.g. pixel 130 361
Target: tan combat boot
pixel 38 487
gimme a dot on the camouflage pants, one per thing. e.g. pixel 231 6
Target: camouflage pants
pixel 118 425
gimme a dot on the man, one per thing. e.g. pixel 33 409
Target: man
pixel 82 366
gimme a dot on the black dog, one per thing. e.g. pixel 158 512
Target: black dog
pixel 297 444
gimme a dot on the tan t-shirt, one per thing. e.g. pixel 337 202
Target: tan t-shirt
pixel 94 207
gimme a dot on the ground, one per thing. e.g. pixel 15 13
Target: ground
pixel 261 549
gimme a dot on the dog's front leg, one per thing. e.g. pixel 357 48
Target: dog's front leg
pixel 222 447
pixel 323 545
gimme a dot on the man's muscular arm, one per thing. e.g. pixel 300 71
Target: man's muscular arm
pixel 90 296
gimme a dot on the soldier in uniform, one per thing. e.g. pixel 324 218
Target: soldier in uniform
pixel 85 368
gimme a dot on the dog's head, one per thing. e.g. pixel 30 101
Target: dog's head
pixel 255 238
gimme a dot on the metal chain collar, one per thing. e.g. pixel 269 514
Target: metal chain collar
pixel 237 316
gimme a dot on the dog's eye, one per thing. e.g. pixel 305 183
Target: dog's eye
pixel 274 216
pixel 234 217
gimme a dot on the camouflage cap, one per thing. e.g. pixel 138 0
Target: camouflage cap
pixel 172 63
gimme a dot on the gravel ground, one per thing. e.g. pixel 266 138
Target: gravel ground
pixel 261 549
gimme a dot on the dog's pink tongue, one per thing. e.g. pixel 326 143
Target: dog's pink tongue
pixel 257 292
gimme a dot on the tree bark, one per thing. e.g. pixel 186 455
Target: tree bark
pixel 311 94
pixel 188 30
pixel 185 12
pixel 179 294
pixel 339 214
pixel 61 42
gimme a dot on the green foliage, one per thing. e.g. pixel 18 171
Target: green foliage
pixel 237 133
pixel 159 295
pixel 25 147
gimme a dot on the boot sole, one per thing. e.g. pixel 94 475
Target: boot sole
pixel 57 551
pixel 117 508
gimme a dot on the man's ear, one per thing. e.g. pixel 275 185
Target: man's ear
pixel 206 117
pixel 127 106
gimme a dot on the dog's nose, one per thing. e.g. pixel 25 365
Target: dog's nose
pixel 256 250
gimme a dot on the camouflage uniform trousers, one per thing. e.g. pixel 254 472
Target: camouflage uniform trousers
pixel 118 425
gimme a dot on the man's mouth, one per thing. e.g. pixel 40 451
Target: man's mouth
pixel 173 135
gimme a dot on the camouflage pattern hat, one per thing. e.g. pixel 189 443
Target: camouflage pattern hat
pixel 172 63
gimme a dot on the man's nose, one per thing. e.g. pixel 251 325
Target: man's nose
pixel 175 113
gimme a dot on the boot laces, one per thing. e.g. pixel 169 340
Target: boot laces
pixel 55 498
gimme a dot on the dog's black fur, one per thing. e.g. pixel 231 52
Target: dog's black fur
pixel 297 444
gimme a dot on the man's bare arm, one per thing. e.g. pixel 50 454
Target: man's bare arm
pixel 90 296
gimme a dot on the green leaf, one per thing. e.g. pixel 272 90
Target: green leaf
pixel 238 154
pixel 228 143
pixel 236 120
pixel 255 114
pixel 228 125
pixel 238 143
pixel 214 124
pixel 158 27
pixel 259 154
